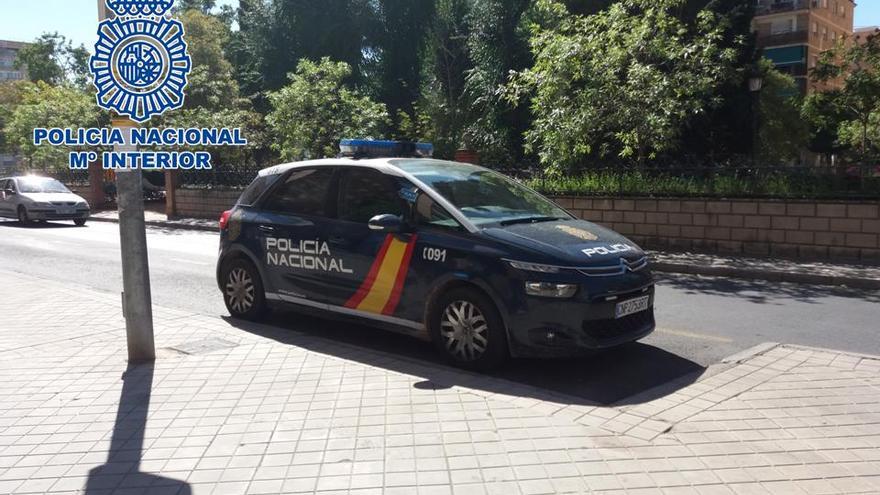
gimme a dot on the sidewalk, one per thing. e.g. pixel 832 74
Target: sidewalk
pixel 773 270
pixel 234 408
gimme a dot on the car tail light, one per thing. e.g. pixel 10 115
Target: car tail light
pixel 224 219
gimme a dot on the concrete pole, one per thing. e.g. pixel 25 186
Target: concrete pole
pixel 137 298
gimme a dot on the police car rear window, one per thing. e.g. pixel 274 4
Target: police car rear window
pixel 256 189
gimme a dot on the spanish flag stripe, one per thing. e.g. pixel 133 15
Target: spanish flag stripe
pixel 380 292
pixel 362 292
pixel 397 291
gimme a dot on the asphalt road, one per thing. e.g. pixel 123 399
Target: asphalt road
pixel 701 320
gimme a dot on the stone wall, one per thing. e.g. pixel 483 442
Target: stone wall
pixel 837 230
pixel 204 203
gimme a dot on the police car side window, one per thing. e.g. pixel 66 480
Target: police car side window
pixel 366 194
pixel 429 213
pixel 305 192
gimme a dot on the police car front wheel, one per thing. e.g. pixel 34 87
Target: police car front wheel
pixel 466 326
pixel 243 291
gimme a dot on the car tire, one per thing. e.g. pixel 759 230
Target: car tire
pixel 23 217
pixel 466 327
pixel 80 222
pixel 243 291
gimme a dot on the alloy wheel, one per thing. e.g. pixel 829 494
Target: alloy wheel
pixel 240 290
pixel 464 330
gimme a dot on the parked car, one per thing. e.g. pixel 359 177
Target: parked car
pixel 457 254
pixel 32 198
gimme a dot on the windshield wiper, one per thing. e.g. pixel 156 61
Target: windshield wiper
pixel 515 221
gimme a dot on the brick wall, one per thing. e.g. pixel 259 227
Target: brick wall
pixel 204 203
pixel 845 231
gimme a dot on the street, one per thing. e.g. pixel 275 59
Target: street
pixel 701 320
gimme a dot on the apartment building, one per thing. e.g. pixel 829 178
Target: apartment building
pixel 8 54
pixel 793 33
pixel 8 72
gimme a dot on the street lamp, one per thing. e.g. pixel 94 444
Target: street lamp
pixel 756 84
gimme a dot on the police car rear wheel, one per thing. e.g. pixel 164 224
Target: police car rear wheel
pixel 243 291
pixel 468 329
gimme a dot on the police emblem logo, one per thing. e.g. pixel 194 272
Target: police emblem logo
pixel 140 66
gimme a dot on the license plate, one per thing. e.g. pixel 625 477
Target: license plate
pixel 632 306
pixel 66 210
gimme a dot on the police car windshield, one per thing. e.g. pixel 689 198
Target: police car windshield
pixel 483 196
pixel 41 185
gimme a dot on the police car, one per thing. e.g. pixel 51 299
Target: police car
pixel 480 265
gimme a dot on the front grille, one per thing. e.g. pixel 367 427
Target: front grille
pixel 622 266
pixel 615 328
pixel 63 203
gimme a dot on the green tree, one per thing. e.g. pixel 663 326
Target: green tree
pixel 315 110
pixel 48 106
pixel 397 49
pixel 783 133
pixel 53 59
pixel 857 64
pixel 623 81
pixel 444 107
pixel 212 83
pixel 11 95
pixel 498 44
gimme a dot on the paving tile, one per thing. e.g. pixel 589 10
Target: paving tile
pixel 285 412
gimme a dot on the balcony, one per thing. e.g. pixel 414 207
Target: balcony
pixel 782 39
pixel 767 7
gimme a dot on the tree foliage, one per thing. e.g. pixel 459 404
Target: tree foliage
pixel 855 63
pixel 621 82
pixel 212 84
pixel 53 59
pixel 783 133
pixel 316 109
pixel 42 105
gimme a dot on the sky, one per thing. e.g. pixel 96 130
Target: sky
pixel 24 20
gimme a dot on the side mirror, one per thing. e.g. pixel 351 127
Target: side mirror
pixel 388 224
pixel 10 192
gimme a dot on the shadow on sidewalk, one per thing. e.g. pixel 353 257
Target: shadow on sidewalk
pixel 122 469
pixel 762 292
pixel 604 378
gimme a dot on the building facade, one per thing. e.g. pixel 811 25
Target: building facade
pixel 793 33
pixel 8 54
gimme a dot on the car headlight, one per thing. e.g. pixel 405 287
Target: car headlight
pixel 549 289
pixel 40 204
pixel 534 267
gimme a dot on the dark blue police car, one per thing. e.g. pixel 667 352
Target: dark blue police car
pixel 479 264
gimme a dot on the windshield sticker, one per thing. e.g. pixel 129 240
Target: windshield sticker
pixel 305 255
pixel 585 235
pixel 606 250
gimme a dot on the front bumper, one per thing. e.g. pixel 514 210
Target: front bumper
pixel 49 215
pixel 546 328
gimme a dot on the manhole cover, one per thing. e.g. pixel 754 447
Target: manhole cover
pixel 204 346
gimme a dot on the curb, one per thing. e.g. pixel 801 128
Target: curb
pixel 766 275
pixel 166 225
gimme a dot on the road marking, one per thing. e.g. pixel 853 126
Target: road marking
pixel 692 335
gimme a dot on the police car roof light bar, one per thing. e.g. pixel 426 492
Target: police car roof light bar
pixel 365 148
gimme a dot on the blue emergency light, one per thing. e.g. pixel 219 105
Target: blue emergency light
pixel 365 148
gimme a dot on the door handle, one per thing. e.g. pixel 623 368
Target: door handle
pixel 337 240
pixel 267 229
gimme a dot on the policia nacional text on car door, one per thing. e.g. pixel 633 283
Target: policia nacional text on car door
pixel 453 253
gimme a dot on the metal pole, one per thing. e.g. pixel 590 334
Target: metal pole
pixel 137 297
